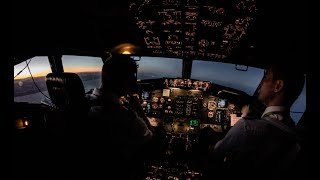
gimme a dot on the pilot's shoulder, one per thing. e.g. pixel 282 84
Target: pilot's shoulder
pixel 250 118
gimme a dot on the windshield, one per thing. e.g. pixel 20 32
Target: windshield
pixel 88 69
pixel 29 86
pixel 158 67
pixel 226 75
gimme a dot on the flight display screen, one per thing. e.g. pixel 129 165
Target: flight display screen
pixel 194 122
pixel 145 95
pixel 222 103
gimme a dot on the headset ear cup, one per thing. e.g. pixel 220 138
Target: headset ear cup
pixel 106 57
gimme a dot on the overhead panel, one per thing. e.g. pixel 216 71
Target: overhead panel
pixel 198 29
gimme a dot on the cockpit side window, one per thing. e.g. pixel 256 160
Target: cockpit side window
pixel 88 69
pixel 299 106
pixel 29 80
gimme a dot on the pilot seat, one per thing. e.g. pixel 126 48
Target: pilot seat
pixel 65 114
pixel 67 107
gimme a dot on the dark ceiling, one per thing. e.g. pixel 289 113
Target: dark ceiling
pixel 236 31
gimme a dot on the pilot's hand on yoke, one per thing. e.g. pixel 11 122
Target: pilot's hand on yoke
pixel 135 104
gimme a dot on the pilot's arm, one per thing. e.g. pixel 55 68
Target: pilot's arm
pixel 234 139
pixel 136 106
pixel 138 131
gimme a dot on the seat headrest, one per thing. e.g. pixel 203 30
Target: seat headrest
pixel 65 89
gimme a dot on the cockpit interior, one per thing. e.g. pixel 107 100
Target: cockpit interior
pixel 200 66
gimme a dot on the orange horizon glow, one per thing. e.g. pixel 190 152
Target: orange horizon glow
pixel 73 70
pixel 83 69
pixel 22 76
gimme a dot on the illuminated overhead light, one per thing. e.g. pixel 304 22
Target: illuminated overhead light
pixel 126 52
pixel 126 48
pixel 26 123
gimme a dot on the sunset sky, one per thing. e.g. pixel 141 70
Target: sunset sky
pixel 39 66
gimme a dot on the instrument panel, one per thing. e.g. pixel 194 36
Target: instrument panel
pixel 186 105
